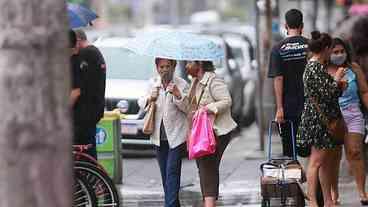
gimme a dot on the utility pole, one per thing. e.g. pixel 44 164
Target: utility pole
pixel 315 14
pixel 299 4
pixel 259 101
pixel 264 43
pixel 329 6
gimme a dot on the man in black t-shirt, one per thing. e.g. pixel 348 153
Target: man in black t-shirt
pixel 92 98
pixel 287 62
pixel 74 71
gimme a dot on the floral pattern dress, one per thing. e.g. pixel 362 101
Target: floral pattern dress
pixel 319 88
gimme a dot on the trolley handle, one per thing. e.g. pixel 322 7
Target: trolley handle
pixel 279 127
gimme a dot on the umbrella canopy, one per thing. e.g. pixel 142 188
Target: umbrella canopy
pixel 176 45
pixel 79 16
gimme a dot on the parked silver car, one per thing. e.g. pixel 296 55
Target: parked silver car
pixel 244 55
pixel 126 80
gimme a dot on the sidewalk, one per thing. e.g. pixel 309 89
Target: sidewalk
pixel 239 181
pixel 239 178
pixel 347 189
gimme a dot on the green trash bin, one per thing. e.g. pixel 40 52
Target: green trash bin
pixel 108 145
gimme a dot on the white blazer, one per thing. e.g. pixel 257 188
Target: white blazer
pixel 170 111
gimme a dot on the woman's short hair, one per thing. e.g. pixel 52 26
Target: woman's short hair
pixel 338 41
pixel 173 62
pixel 319 42
pixel 206 65
pixel 72 39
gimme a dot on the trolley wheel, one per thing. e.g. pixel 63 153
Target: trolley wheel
pixel 300 200
pixel 265 202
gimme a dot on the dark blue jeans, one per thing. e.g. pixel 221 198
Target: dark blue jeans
pixel 169 161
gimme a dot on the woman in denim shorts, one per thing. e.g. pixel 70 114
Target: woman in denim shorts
pixel 350 105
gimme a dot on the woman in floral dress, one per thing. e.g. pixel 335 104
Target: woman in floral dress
pixel 323 90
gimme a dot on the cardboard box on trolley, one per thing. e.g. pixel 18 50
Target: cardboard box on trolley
pixel 281 178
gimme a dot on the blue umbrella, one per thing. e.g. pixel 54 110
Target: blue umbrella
pixel 176 45
pixel 79 16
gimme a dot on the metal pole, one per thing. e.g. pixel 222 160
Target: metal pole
pixel 260 116
pixel 264 40
pixel 329 4
pixel 315 14
pixel 299 4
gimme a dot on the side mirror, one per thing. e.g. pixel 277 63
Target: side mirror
pixel 232 64
pixel 254 64
pixel 217 63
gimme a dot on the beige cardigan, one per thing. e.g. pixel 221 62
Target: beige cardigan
pixel 217 99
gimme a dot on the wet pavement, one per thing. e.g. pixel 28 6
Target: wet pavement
pixel 239 178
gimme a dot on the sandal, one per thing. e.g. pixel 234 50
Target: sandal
pixel 336 202
pixel 364 202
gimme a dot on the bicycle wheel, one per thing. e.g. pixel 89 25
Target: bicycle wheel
pixel 85 158
pixel 104 188
pixel 84 195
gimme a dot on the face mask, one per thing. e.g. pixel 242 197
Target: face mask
pixel 192 70
pixel 338 59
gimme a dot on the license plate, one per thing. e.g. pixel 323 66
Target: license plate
pixel 129 129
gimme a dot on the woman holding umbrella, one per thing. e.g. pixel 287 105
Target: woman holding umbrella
pixel 200 51
pixel 170 125
pixel 209 91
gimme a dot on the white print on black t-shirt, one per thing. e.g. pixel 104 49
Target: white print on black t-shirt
pixel 83 65
pixel 293 51
pixel 295 54
pixel 293 46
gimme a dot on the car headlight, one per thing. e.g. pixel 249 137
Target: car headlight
pixel 123 106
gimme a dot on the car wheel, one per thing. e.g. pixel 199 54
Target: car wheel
pixel 249 109
pixel 249 118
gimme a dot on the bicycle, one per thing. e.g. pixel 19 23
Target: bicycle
pixel 83 193
pixel 96 176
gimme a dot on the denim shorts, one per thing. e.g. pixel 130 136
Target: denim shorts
pixel 354 119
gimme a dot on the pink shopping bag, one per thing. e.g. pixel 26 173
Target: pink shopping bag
pixel 201 140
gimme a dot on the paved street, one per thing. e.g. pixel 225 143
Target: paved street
pixel 239 182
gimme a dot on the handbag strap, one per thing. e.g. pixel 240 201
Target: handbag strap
pixel 201 95
pixel 324 117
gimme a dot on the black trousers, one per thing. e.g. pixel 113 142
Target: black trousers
pixel 285 133
pixel 86 134
pixel 209 166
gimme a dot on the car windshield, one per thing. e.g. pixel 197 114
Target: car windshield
pixel 238 54
pixel 123 64
pixel 219 64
